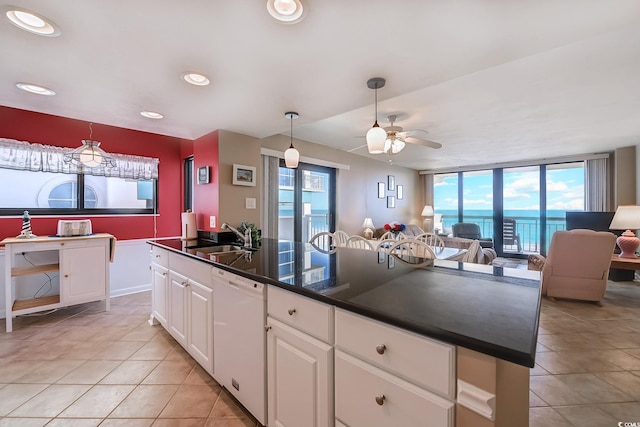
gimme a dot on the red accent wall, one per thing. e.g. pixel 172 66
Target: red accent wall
pixel 205 153
pixel 63 132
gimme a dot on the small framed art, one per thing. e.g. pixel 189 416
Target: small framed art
pixel 381 190
pixel 400 192
pixel 244 175
pixel 203 175
pixel 391 182
pixel 391 202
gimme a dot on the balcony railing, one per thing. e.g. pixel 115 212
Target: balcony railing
pixel 527 227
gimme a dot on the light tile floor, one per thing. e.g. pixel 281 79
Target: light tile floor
pixel 81 366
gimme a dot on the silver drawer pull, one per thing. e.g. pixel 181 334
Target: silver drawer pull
pixel 381 349
pixel 157 256
pixel 291 311
pixel 380 399
pixel 164 274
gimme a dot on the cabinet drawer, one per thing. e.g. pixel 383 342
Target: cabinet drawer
pixel 54 244
pixel 160 256
pixel 196 270
pixel 368 396
pixel 423 361
pixel 304 314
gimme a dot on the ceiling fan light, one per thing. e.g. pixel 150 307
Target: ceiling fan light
pixel 397 146
pixel 376 137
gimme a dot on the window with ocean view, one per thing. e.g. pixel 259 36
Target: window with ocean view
pixel 531 202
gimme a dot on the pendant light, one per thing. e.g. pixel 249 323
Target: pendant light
pixel 291 156
pixel 376 136
pixel 90 154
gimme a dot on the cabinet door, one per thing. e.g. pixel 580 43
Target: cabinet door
pixel 178 307
pixel 200 324
pixel 159 290
pixel 84 273
pixel 299 377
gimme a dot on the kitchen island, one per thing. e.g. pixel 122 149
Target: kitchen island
pixel 480 321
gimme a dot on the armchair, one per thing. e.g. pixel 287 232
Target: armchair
pixel 470 230
pixel 577 265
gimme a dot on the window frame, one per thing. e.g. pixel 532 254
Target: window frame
pixel 80 210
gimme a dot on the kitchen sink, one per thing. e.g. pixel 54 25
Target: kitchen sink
pixel 219 249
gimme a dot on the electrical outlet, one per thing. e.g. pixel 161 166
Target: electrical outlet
pixel 250 203
pixel 212 221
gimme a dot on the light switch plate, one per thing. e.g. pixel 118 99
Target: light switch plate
pixel 250 203
pixel 212 221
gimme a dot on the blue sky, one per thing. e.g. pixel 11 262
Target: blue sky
pixel 565 190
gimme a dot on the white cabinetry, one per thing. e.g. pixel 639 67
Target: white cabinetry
pixel 82 266
pixel 190 308
pixel 159 285
pixel 299 360
pixel 389 376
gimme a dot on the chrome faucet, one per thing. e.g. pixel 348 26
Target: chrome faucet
pixel 246 237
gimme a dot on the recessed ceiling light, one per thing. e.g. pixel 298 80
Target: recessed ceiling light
pixel 286 11
pixel 195 78
pixel 32 22
pixel 151 114
pixel 30 87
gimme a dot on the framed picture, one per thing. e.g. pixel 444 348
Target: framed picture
pixel 203 175
pixel 391 262
pixel 381 256
pixel 400 190
pixel 381 190
pixel 391 182
pixel 391 202
pixel 244 175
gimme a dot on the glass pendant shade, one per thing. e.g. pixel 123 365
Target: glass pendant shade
pixel 376 137
pixel 291 157
pixel 89 154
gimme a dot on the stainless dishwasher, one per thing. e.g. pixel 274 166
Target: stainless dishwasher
pixel 239 316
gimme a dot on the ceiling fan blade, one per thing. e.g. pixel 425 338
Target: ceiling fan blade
pixel 423 142
pixel 357 148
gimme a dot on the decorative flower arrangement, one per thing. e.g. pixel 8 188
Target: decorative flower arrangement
pixel 394 227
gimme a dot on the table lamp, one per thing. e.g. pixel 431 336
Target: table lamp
pixel 627 218
pixel 427 212
pixel 368 226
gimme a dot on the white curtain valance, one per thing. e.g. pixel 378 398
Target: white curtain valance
pixel 22 155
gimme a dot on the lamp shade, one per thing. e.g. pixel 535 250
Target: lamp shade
pixel 627 218
pixel 368 223
pixel 376 137
pixel 427 211
pixel 291 157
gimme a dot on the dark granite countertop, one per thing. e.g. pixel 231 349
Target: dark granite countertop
pixel 491 310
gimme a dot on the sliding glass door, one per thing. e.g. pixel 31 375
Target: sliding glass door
pixel 306 201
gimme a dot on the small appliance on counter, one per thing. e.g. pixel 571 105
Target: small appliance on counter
pixel 217 236
pixel 76 227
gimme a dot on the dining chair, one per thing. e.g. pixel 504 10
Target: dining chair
pixel 324 241
pixel 431 239
pixel 359 242
pixel 385 244
pixel 412 251
pixel 341 237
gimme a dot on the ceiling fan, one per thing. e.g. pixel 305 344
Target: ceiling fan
pixel 397 138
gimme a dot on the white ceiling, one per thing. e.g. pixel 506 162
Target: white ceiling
pixel 491 80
